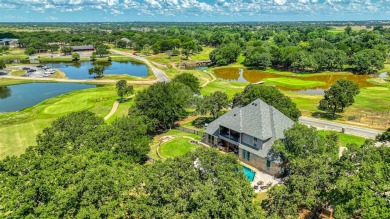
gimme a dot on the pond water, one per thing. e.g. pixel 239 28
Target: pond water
pixel 383 75
pixel 202 68
pixel 17 97
pixel 79 70
pixel 253 76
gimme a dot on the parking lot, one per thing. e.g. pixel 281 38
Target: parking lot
pixel 39 71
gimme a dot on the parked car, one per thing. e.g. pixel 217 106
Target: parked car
pixel 25 68
pixel 31 70
pixel 40 66
pixel 2 73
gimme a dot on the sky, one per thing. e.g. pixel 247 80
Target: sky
pixel 192 10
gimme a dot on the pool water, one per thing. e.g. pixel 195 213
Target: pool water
pixel 249 174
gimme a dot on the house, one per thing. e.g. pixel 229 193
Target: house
pixel 82 48
pixel 126 40
pixel 9 42
pixel 249 132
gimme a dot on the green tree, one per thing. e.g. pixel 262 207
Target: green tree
pixel 30 51
pixel 339 96
pixel 93 57
pixel 98 70
pixel 75 56
pixel 258 58
pixel 66 50
pixel 2 64
pixel 368 61
pixel 190 80
pixel 384 137
pixel 124 89
pixel 269 95
pixel 225 54
pixel 101 50
pixel 212 104
pixel 163 102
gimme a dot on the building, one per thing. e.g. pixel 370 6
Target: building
pixel 9 42
pixel 82 48
pixel 249 132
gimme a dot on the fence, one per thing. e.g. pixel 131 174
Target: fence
pixel 192 131
pixel 374 119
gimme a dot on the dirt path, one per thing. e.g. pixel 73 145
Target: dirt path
pixel 115 107
pixel 208 81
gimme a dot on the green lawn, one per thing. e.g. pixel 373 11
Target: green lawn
pixel 293 82
pixel 203 55
pixel 230 88
pixel 345 139
pixel 176 147
pixel 20 128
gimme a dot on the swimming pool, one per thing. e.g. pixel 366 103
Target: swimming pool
pixel 249 174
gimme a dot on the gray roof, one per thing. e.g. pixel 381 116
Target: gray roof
pixel 256 119
pixel 126 40
pixel 87 47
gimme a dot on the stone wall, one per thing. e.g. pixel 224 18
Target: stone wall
pixel 260 163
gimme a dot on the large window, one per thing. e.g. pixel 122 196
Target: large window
pixel 246 154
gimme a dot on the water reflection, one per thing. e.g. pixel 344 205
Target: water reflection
pixel 253 76
pixel 5 92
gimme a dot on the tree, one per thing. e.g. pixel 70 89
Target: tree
pixel 2 64
pixel 368 61
pixel 269 95
pixel 361 183
pixel 124 89
pixel 98 70
pixel 66 50
pixel 30 51
pixel 225 54
pixel 101 50
pixel 339 96
pixel 163 102
pixel 190 80
pixel 212 104
pixel 53 48
pixel 93 57
pixel 75 56
pixel 384 137
pixel 258 58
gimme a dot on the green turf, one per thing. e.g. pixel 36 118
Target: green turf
pixel 176 147
pixel 345 139
pixel 20 128
pixel 230 88
pixel 293 82
pixel 203 55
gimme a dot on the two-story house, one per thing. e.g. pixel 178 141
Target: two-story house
pixel 249 132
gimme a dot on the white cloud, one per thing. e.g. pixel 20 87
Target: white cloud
pixel 201 7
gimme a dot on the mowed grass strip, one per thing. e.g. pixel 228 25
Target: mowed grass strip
pixel 344 139
pixel 294 82
pixel 176 147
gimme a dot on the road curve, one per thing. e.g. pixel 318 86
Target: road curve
pixel 349 129
pixel 160 75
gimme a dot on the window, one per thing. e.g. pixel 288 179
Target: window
pixel 254 142
pixel 246 154
pixel 268 164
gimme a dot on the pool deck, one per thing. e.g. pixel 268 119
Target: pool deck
pixel 261 176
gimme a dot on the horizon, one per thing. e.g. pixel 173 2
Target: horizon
pixel 192 10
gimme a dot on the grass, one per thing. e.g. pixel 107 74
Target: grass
pixel 17 72
pixel 176 147
pixel 230 88
pixel 58 74
pixel 344 139
pixel 293 82
pixel 20 128
pixel 203 55
pixel 60 59
pixel 173 132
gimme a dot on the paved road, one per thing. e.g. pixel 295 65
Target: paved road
pixel 160 75
pixel 349 129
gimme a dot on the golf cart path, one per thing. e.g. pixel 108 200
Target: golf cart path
pixel 115 107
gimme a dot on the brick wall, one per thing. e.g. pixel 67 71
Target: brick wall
pixel 260 163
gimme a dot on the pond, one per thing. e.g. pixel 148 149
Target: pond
pixel 254 76
pixel 17 97
pixel 79 70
